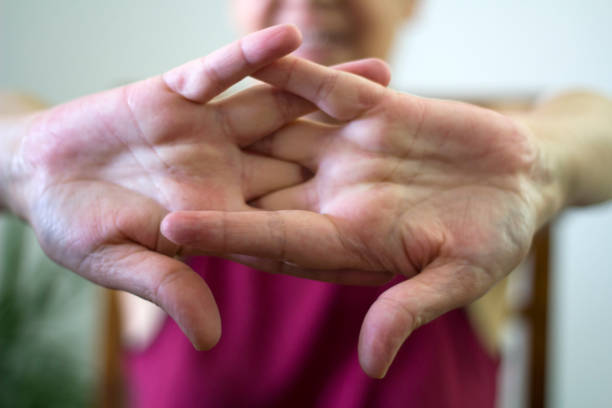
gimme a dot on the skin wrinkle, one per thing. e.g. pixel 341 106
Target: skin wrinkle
pixel 153 293
pixel 326 87
pixel 245 176
pixel 399 162
pixel 110 277
pixel 243 54
pixel 422 202
pixel 276 223
pixel 19 168
pixel 416 267
pixel 368 99
pixel 463 271
pixel 474 288
pixel 422 108
pixel 49 161
pixel 520 246
pixel 466 210
pixel 392 240
pixel 178 82
pixel 404 157
pixel 346 246
pixel 169 277
pixel 125 98
pixel 84 259
pixel 224 232
pixel 328 144
pixel 290 74
pixel 389 264
pixel 281 101
pixel 46 234
pixel 313 197
pixel 500 181
pixel 170 249
pixel 224 119
pixel 213 78
pixel 415 319
pixel 172 91
pixel 162 244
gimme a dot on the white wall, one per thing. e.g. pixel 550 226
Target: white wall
pixel 62 49
pixel 507 45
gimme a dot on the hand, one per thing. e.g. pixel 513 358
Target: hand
pixel 446 194
pixel 97 175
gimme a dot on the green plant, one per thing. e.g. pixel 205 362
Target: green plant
pixel 38 366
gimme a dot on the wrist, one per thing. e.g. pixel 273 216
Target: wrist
pixel 550 177
pixel 14 175
pixel 573 135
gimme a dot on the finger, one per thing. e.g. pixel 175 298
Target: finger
pixel 373 69
pixel 300 142
pixel 410 304
pixel 338 276
pixel 204 78
pixel 304 238
pixel 262 175
pixel 300 197
pixel 341 95
pixel 260 110
pixel 165 281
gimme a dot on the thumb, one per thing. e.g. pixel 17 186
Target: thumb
pixel 303 238
pixel 410 304
pixel 165 281
pixel 202 79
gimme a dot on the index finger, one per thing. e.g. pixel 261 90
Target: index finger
pixel 261 110
pixel 341 95
pixel 202 79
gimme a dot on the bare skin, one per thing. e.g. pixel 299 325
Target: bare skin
pixel 96 176
pixel 446 194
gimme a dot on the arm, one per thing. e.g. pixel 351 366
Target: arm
pixel 12 130
pixel 575 129
pixel 14 108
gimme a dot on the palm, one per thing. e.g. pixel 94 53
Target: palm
pixel 441 192
pixel 400 202
pixel 104 170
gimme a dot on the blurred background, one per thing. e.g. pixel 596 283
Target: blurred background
pixel 59 50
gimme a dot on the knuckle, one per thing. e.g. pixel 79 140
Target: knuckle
pixel 510 148
pixel 283 104
pixel 326 87
pixel 278 234
pixel 519 148
pixel 225 121
pixel 161 288
pixel 402 315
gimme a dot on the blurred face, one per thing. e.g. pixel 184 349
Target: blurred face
pixel 334 30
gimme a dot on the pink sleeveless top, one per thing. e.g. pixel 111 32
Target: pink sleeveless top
pixel 290 342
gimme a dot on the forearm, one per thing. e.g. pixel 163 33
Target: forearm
pixel 15 113
pixel 574 135
pixel 12 129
